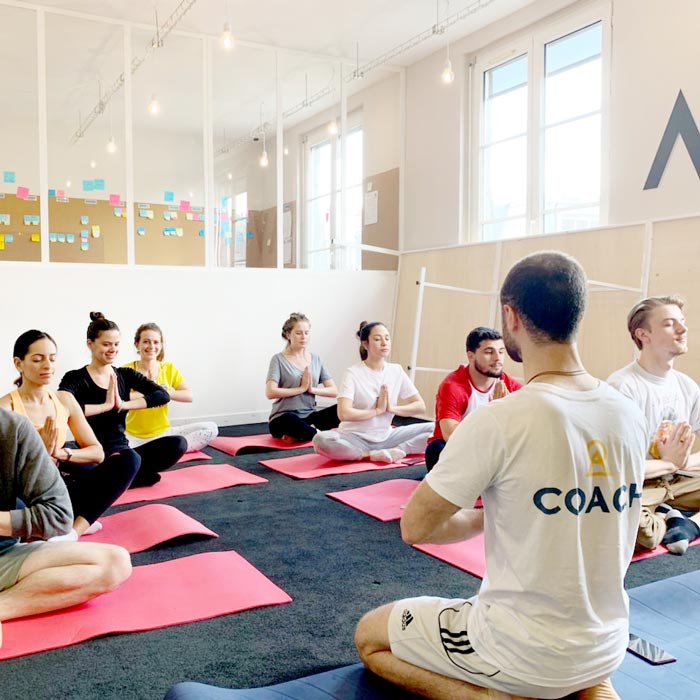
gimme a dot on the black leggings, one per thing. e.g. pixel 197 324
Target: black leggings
pixel 302 428
pixel 432 452
pixel 94 488
pixel 157 456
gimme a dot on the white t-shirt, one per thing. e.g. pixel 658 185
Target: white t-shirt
pixel 557 470
pixel 361 385
pixel 675 397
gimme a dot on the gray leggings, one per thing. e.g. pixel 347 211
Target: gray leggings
pixel 344 446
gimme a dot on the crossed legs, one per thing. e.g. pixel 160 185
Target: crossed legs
pixel 60 574
pixel 374 648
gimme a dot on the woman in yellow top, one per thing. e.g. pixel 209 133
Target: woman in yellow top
pixel 93 483
pixel 151 423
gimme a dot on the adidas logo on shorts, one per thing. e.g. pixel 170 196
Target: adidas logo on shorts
pixel 406 619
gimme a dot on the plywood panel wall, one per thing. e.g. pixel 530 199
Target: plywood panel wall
pixel 614 256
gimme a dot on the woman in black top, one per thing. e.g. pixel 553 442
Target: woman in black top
pixel 105 394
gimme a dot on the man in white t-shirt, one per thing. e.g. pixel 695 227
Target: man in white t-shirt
pixel 670 401
pixel 559 465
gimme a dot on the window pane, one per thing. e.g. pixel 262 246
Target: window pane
pixel 573 92
pixel 353 148
pixel 320 261
pixel 320 169
pixel 505 112
pixel 513 228
pixel 505 115
pixel 504 168
pixel 572 220
pixel 319 223
pixel 505 77
pixel 572 163
pixel 573 48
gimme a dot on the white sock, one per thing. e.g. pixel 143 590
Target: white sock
pixel 95 527
pixel 387 456
pixel 71 536
pixel 680 532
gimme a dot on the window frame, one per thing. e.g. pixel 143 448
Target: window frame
pixel 533 44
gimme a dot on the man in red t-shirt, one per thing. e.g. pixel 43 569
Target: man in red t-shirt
pixel 469 387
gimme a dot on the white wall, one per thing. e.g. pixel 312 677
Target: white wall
pixel 221 326
pixel 433 125
pixel 655 54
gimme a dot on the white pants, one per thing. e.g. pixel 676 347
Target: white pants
pixel 345 446
pixel 198 435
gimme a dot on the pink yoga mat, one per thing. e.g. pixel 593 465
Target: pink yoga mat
pixel 231 445
pixel 197 479
pixel 141 528
pixel 157 595
pixel 311 466
pixel 382 501
pixel 189 456
pixel 469 555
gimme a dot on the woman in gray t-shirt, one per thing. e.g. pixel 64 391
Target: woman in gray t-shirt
pixel 294 380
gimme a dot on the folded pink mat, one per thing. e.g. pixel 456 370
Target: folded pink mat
pixel 470 557
pixel 231 445
pixel 383 501
pixel 143 527
pixel 197 479
pixel 311 466
pixel 189 456
pixel 157 595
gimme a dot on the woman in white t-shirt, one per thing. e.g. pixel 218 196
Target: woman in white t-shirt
pixel 367 403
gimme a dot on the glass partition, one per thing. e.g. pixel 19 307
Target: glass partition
pixel 168 128
pixel 310 94
pixel 245 156
pixel 85 113
pixel 19 142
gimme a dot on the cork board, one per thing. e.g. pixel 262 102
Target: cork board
pixel 385 233
pixel 69 222
pixel 16 237
pixel 157 240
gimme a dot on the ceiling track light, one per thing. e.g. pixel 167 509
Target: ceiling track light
pixel 156 42
pixel 386 57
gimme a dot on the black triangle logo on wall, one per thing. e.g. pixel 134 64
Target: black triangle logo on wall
pixel 680 123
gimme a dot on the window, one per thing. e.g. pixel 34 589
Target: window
pixel 329 245
pixel 540 136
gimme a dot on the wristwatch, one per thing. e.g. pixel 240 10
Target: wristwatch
pixel 69 454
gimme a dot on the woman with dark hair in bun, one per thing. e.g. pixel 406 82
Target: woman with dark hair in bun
pixel 294 379
pixel 368 400
pixel 93 483
pixel 103 392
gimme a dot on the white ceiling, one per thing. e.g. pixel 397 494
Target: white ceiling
pixel 326 27
pixel 82 53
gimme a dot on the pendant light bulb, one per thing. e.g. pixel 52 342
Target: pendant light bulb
pixel 333 127
pixel 111 145
pixel 227 40
pixel 264 162
pixel 153 106
pixel 93 164
pixel 448 75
